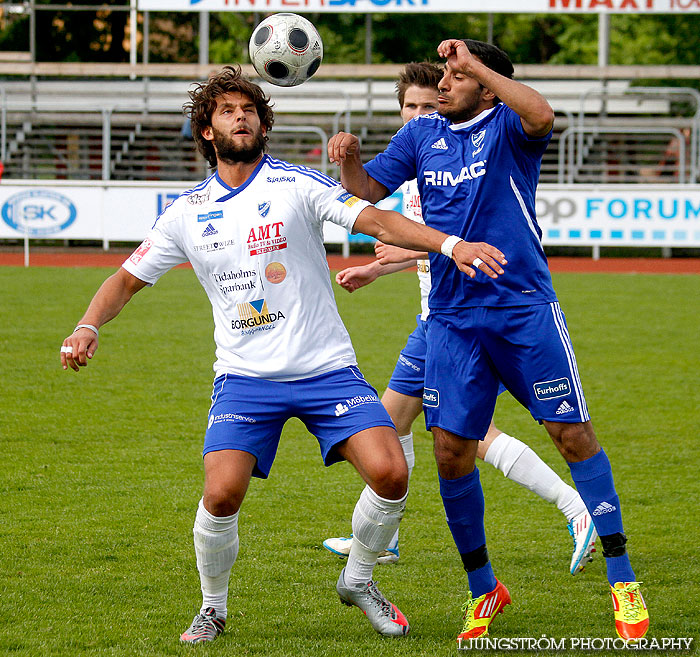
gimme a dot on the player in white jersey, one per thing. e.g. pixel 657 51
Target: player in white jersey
pixel 418 94
pixel 253 233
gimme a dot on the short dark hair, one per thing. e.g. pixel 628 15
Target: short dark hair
pixel 491 56
pixel 417 74
pixel 203 97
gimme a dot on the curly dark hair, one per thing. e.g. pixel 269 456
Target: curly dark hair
pixel 203 96
pixel 418 74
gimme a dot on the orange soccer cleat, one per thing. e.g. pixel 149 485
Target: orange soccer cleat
pixel 479 612
pixel 631 615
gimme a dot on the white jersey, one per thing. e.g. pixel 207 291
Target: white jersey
pixel 412 210
pixel 258 252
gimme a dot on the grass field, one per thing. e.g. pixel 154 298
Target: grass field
pixel 101 474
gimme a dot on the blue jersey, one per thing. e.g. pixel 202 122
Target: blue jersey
pixel 476 179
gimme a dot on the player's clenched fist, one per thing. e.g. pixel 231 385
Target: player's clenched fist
pixel 78 347
pixel 342 145
pixel 456 53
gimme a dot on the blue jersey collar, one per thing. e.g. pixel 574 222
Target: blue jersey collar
pixel 472 122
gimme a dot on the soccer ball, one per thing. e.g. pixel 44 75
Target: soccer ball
pixel 285 49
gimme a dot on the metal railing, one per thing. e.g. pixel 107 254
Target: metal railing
pixel 112 115
pixel 571 159
pixel 314 130
pixel 649 95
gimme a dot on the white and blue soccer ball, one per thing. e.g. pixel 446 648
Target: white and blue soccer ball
pixel 285 49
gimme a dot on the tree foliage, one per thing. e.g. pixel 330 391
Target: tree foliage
pixel 102 36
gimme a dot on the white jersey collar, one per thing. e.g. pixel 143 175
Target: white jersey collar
pixel 471 122
pixel 233 191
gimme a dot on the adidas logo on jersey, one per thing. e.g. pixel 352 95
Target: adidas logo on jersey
pixel 440 144
pixel 603 508
pixel 209 231
pixel 565 407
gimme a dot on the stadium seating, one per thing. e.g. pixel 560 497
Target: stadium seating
pixel 131 129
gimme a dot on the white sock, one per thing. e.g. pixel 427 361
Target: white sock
pixel 407 445
pixel 216 547
pixel 567 499
pixel 521 464
pixel 374 522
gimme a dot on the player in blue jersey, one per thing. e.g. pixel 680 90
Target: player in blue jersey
pixel 477 164
pixel 253 232
pixel 417 91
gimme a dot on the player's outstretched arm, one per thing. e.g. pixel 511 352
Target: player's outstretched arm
pixel 344 149
pixel 535 112
pixel 393 228
pixel 353 278
pixel 388 253
pixel 108 301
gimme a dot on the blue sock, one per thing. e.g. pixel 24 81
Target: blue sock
pixel 463 500
pixel 594 482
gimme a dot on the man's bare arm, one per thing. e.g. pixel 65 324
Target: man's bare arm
pixel 353 278
pixel 108 301
pixel 393 228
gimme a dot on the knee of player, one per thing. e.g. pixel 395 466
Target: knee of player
pixel 390 480
pixel 222 500
pixel 576 441
pixel 445 453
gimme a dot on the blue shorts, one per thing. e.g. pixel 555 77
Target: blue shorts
pixel 248 413
pixel 526 347
pixel 409 374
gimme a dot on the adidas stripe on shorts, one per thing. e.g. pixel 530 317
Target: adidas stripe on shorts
pixel 526 347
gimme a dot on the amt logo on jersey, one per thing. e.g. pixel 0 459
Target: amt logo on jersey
pixel 267 238
pixel 39 212
pixel 448 179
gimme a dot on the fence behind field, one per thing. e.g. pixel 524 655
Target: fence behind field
pixel 61 142
pixel 131 130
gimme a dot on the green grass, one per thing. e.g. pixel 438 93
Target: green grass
pixel 101 473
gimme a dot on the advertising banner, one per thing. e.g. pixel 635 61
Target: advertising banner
pixel 632 215
pixel 609 215
pixel 85 211
pixel 50 211
pixel 434 6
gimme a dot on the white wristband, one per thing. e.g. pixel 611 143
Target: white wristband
pixel 87 326
pixel 449 244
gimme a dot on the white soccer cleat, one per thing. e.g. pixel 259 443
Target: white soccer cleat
pixel 584 535
pixel 342 544
pixel 384 616
pixel 390 555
